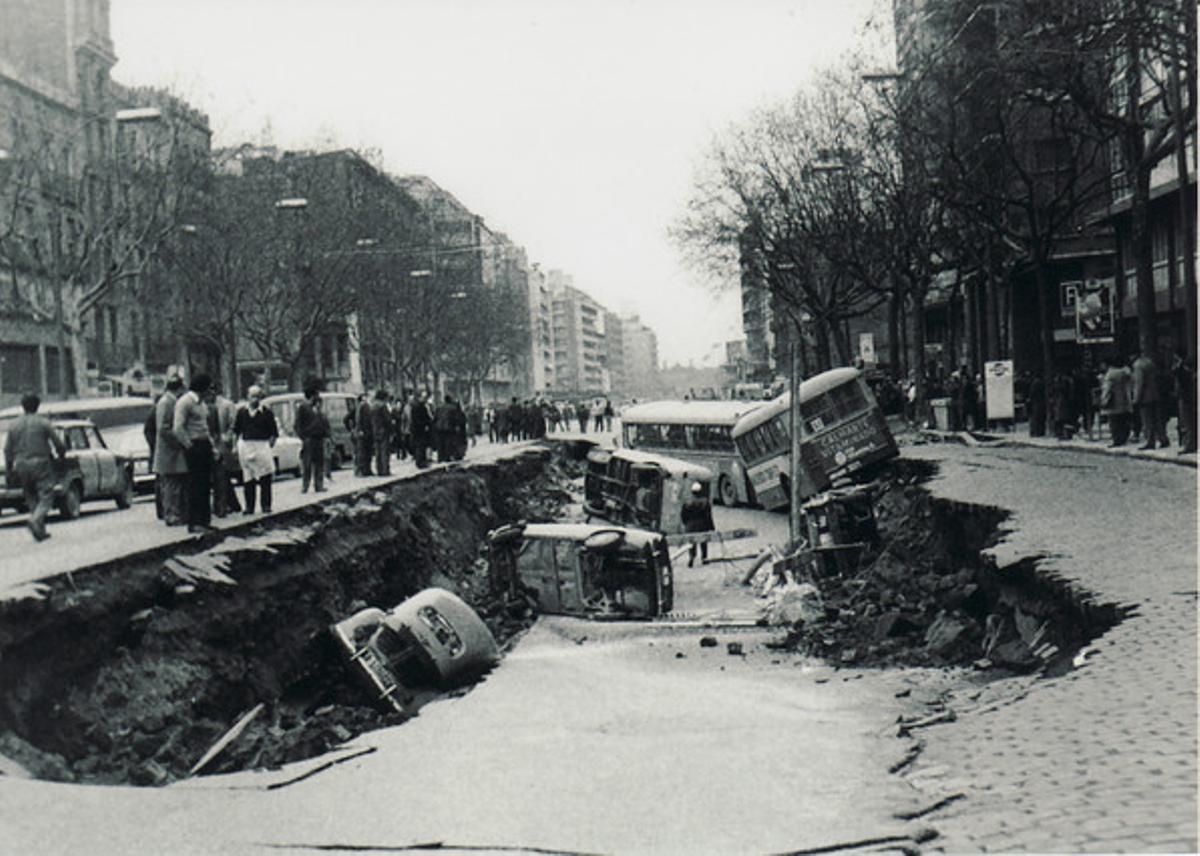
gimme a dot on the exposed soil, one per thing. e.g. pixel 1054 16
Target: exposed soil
pixel 923 594
pixel 129 672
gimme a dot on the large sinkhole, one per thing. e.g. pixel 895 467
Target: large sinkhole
pixel 132 671
pixel 924 592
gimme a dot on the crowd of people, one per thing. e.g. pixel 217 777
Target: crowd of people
pixel 202 444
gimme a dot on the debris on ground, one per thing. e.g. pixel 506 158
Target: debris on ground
pixel 920 591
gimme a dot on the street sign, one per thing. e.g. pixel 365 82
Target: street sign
pixel 1094 320
pixel 998 387
pixel 866 348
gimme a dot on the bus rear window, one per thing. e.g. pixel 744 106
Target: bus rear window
pixel 831 407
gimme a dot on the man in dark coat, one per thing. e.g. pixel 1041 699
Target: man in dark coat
pixel 422 428
pixel 1183 374
pixel 696 516
pixel 381 433
pixel 312 427
pixel 443 429
pixel 1146 401
pixel 362 437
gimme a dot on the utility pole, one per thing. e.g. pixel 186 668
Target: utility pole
pixel 794 519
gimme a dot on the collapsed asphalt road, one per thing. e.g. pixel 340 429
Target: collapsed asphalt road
pixel 671 726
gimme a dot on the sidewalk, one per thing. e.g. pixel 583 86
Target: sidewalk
pixel 1103 758
pixel 103 534
pixel 1098 445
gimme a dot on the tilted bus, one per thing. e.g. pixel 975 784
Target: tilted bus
pixel 696 431
pixel 843 433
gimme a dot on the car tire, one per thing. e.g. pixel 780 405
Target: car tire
pixel 72 501
pixel 726 492
pixel 124 496
pixel 335 459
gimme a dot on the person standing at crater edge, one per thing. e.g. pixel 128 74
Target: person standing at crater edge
pixel 256 432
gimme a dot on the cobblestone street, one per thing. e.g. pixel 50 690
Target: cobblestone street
pixel 1102 759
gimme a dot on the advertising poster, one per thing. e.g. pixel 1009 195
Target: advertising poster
pixel 1094 321
pixel 866 348
pixel 998 386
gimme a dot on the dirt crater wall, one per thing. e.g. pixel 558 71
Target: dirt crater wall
pixel 128 671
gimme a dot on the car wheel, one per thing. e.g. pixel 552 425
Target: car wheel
pixel 72 501
pixel 335 459
pixel 726 491
pixel 124 496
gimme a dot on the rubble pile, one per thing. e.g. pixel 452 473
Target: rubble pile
pixel 922 594
pixel 232 644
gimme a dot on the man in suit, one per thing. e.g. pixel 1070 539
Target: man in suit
pixel 312 427
pixel 170 464
pixel 381 433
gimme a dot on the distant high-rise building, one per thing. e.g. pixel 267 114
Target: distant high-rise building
pixel 580 344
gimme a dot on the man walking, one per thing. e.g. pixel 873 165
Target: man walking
pixel 190 427
pixel 312 427
pixel 257 432
pixel 29 462
pixel 170 463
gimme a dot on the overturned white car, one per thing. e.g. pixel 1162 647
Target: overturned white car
pixel 433 639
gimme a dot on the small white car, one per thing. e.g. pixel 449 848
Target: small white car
pixel 431 639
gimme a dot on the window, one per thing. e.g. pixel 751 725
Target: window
pixel 75 439
pixel 832 407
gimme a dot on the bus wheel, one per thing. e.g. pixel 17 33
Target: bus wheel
pixel 726 492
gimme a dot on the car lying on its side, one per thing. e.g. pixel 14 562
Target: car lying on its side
pixel 433 639
pixel 585 570
pixel 89 471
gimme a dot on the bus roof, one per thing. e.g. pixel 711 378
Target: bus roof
pixel 299 396
pixel 673 466
pixel 82 405
pixel 810 388
pixel 580 531
pixel 688 412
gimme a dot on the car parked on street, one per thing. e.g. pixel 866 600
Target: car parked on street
pixel 432 639
pixel 120 420
pixel 90 471
pixel 337 406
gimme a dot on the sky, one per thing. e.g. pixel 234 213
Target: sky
pixel 573 126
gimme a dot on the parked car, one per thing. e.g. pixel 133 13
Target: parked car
pixel 431 639
pixel 89 471
pixel 585 570
pixel 337 406
pixel 119 419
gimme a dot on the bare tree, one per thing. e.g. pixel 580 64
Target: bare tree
pixel 77 227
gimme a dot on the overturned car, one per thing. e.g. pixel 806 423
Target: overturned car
pixel 593 571
pixel 433 639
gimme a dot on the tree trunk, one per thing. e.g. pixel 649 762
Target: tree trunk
pixel 1139 234
pixel 894 336
pixel 992 314
pixel 1046 308
pixel 1187 220
pixel 918 347
pixel 821 328
pixel 841 340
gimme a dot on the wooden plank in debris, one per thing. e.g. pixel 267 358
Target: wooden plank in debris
pixel 227 738
pixel 709 536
